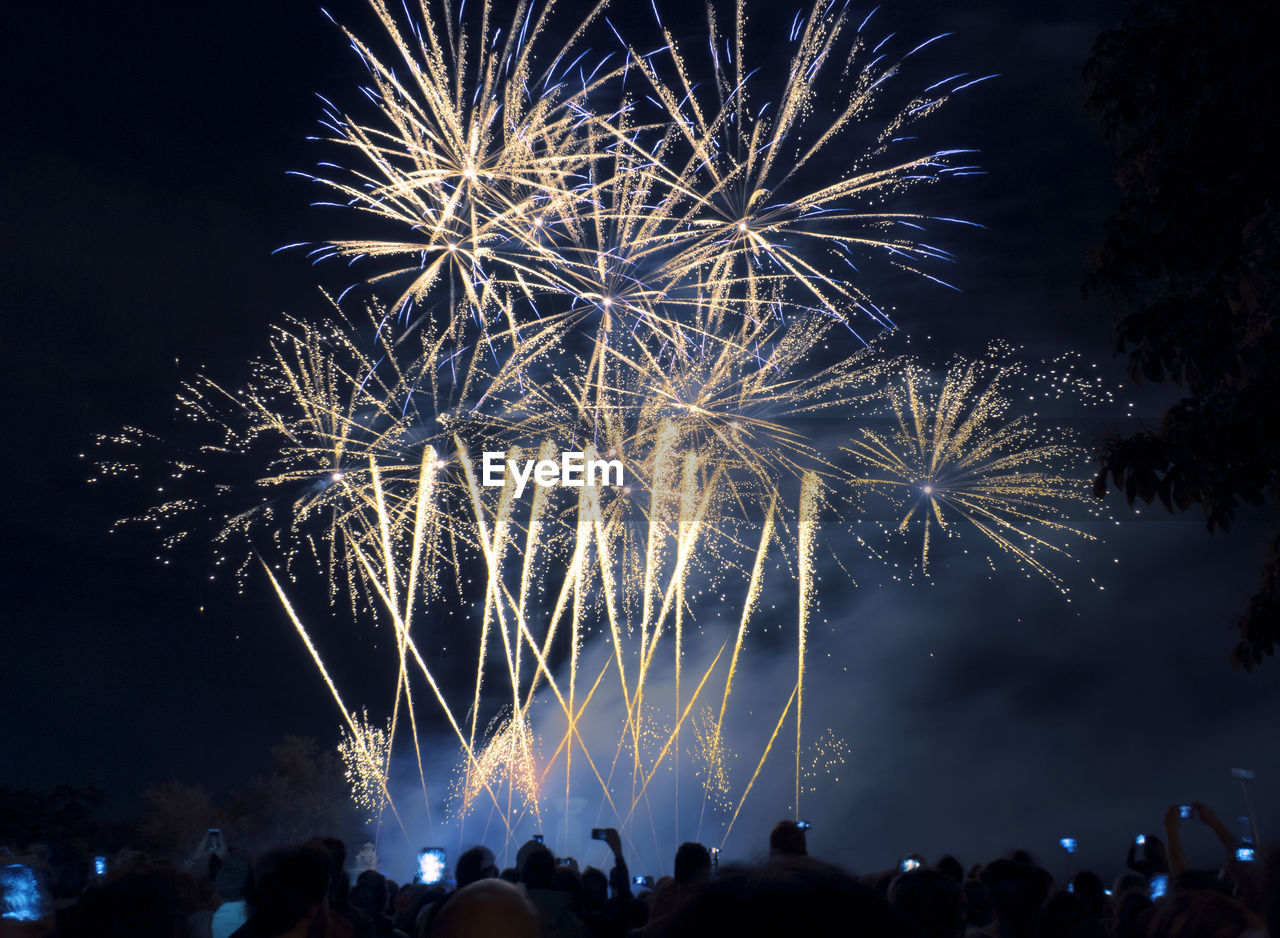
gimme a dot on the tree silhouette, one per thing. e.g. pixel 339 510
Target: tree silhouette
pixel 65 815
pixel 1186 91
pixel 177 816
pixel 305 795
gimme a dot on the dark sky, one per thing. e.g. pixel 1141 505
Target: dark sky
pixel 145 154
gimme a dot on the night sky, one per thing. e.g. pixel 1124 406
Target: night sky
pixel 145 154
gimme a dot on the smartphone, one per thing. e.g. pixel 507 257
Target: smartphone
pixel 538 838
pixel 1186 811
pixel 431 865
pixel 803 825
pixel 213 840
pixel 1068 844
pixel 1242 774
pixel 646 881
pixel 1159 886
pixel 1140 840
pixel 1244 855
pixel 598 833
pixel 909 864
pixel 21 899
pixel 99 866
pixel 715 858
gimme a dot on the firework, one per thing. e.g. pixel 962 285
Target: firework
pixel 507 756
pixel 497 176
pixel 664 273
pixel 366 755
pixel 712 758
pixel 828 754
pixel 955 455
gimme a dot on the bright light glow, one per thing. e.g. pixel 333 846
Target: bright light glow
pixel 21 893
pixel 431 865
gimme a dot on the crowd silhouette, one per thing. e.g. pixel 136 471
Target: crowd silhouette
pixel 308 890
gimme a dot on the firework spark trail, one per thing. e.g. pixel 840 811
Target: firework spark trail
pixel 809 495
pixel 764 756
pixel 356 736
pixel 534 527
pixel 426 490
pixel 715 768
pixel 493 543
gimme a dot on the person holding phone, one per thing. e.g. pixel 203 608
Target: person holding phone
pixel 1195 811
pixel 619 876
pixel 610 915
pixel 1147 856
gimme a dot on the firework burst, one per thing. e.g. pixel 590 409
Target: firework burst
pixel 956 456
pixel 365 750
pixel 670 280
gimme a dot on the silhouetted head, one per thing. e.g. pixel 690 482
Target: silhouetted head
pixel 789 896
pixel 1017 891
pixel 951 866
pixel 1126 922
pixel 595 889
pixel 693 864
pixel 486 909
pixel 522 854
pixel 1199 914
pixel 407 902
pixel 787 839
pixel 336 853
pixel 370 894
pixel 538 869
pixel 474 865
pixel 1067 915
pixel 291 885
pixel 929 902
pixel 1088 887
pixel 568 880
pixel 1022 858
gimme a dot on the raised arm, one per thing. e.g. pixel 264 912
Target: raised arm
pixel 1173 840
pixel 619 876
